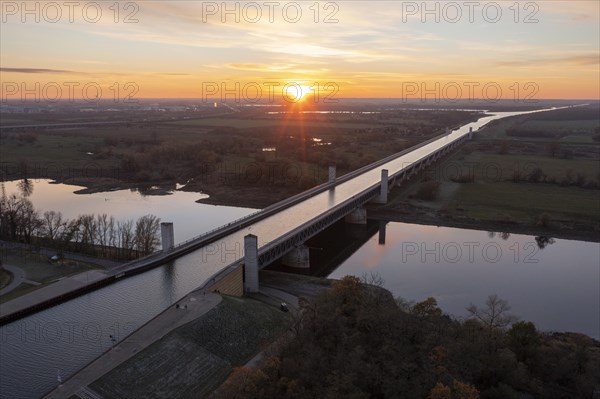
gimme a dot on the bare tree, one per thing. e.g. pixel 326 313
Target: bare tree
pixel 126 237
pixel 18 218
pixel 495 314
pixel 89 229
pixel 146 233
pixel 53 225
pixel 104 231
pixel 30 221
pixel 9 216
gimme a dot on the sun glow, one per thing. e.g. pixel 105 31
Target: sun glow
pixel 295 93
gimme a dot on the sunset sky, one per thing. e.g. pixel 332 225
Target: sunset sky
pixel 375 49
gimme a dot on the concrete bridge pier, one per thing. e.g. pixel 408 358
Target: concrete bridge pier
pixel 167 236
pixel 251 263
pixel 357 216
pixel 383 188
pixel 298 257
pixel 332 174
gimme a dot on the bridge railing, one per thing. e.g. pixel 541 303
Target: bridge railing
pixel 210 232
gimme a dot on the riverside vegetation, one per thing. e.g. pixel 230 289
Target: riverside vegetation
pixel 356 341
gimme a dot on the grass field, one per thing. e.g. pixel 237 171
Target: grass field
pixel 5 278
pixel 39 269
pixel 499 167
pixel 60 150
pixel 565 196
pixel 505 201
pixel 573 125
pixel 196 358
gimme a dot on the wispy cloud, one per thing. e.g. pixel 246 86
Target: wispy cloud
pixel 37 70
pixel 575 59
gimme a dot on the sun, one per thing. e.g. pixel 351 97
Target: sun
pixel 295 93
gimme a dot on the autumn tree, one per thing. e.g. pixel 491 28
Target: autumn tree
pixel 458 390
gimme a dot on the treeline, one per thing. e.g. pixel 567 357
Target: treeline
pixel 356 341
pixel 98 235
pixel 570 178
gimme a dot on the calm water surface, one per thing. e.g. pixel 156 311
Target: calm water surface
pixel 190 218
pixel 558 287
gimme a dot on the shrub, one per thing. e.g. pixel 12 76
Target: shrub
pixel 428 191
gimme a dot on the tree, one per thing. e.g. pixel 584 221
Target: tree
pixel 524 340
pixel 459 390
pixel 429 307
pixel 553 148
pixel 126 237
pixel 105 231
pixel 52 225
pixel 495 314
pixel 18 218
pixel 89 229
pixel 146 233
pixel 30 221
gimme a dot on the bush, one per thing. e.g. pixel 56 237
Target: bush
pixel 464 178
pixel 428 191
pixel 536 175
pixel 543 220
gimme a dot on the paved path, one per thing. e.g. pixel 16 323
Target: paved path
pixel 102 262
pixel 18 277
pixel 197 305
pixel 53 290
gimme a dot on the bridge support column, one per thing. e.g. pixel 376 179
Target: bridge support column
pixel 382 226
pixel 383 188
pixel 470 132
pixel 250 263
pixel 298 257
pixel 357 216
pixel 167 236
pixel 332 174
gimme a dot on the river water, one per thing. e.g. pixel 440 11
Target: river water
pixel 557 287
pixel 557 292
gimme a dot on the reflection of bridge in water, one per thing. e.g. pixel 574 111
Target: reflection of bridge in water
pixel 331 248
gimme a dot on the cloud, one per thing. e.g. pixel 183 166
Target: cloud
pixel 173 74
pixel 36 70
pixel 575 60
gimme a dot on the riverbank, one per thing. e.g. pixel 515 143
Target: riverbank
pixel 424 216
pixel 190 308
pixel 199 340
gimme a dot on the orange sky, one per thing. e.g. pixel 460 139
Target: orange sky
pixel 548 49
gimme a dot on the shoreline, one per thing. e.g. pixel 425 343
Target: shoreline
pixel 429 219
pixel 259 197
